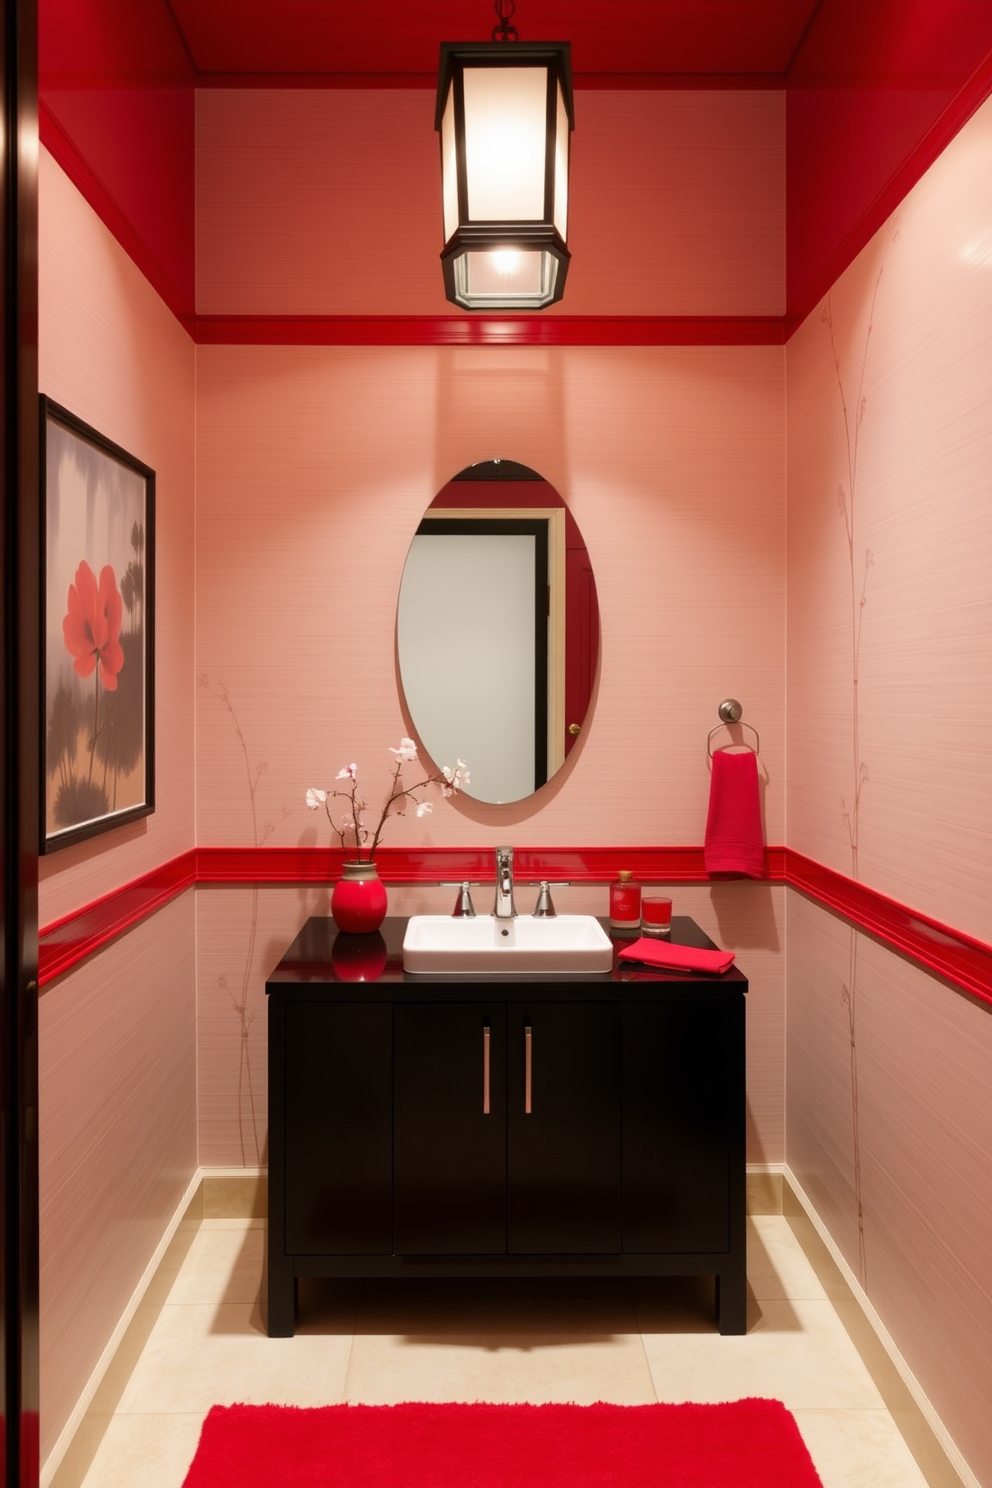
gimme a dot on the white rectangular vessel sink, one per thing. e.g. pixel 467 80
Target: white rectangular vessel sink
pixel 458 947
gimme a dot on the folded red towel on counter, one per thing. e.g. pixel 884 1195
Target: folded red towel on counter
pixel 670 957
pixel 734 841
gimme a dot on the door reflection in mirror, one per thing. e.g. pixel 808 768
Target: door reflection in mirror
pixel 498 629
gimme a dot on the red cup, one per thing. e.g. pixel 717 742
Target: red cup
pixel 656 915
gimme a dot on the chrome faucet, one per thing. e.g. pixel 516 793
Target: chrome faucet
pixel 504 907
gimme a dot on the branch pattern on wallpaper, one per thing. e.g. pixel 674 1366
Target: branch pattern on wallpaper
pixel 853 412
pixel 239 995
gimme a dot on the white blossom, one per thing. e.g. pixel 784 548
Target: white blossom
pixel 399 794
pixel 456 778
pixel 407 751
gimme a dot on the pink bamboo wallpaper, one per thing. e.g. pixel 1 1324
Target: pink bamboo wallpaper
pixel 315 466
pixel 117 1037
pixel 890 529
pixel 117 1098
pixel 890 745
pixel 111 353
pixel 325 202
pixel 905 1148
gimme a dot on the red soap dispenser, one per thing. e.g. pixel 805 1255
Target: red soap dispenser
pixel 625 902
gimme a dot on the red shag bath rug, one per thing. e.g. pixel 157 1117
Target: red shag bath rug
pixel 745 1444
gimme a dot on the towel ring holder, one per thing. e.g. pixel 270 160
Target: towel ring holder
pixel 730 711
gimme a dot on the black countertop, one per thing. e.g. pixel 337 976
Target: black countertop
pixel 322 956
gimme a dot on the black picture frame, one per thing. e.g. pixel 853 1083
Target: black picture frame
pixel 97 632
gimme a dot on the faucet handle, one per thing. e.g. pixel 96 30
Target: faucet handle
pixel 544 909
pixel 463 904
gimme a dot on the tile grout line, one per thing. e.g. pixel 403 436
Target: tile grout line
pixel 640 1337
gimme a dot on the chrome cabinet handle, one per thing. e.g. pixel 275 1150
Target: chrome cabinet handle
pixel 528 1067
pixel 485 1070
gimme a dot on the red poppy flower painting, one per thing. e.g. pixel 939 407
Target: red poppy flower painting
pixel 92 627
pixel 98 645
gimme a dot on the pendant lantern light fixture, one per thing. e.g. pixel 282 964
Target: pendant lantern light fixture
pixel 504 114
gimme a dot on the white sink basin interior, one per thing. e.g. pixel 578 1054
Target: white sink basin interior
pixel 458 947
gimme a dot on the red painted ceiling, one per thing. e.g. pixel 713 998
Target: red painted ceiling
pixel 874 90
pixel 400 38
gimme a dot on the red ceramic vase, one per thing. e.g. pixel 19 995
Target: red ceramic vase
pixel 358 901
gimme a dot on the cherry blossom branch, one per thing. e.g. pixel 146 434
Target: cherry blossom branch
pixel 449 781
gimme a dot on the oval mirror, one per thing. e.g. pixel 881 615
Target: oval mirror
pixel 498 629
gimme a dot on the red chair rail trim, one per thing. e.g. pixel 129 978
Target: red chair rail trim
pixel 957 958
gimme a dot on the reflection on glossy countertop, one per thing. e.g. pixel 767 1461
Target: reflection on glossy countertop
pixel 322 955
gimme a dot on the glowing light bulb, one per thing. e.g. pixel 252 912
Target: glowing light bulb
pixel 505 261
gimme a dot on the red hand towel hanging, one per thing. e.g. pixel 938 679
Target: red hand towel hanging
pixel 734 842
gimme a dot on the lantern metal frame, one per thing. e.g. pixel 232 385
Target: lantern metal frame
pixel 528 235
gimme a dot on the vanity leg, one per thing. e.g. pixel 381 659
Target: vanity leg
pixel 731 1301
pixel 281 1296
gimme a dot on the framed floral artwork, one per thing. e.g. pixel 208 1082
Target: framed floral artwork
pixel 97 626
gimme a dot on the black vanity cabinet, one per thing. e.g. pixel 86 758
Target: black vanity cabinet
pixel 506 1128
pixel 422 1127
pixel 336 1149
pixel 449 1142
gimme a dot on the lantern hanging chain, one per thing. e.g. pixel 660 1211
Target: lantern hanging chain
pixel 504 31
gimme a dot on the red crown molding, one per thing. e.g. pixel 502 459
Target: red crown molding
pixel 593 82
pixel 55 140
pixel 958 959
pixel 487 330
pixel 804 301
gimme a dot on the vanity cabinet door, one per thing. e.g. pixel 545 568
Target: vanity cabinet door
pixel 683 1071
pixel 449 1183
pixel 563 1128
pixel 338 1128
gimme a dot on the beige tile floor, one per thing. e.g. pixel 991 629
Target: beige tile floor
pixel 569 1340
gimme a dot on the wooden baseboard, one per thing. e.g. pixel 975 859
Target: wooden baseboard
pixel 233 1193
pixel 933 1450
pixel 765 1186
pixel 69 1460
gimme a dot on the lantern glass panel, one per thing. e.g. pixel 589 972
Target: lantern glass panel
pixel 506 277
pixel 561 167
pixel 449 166
pixel 505 142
